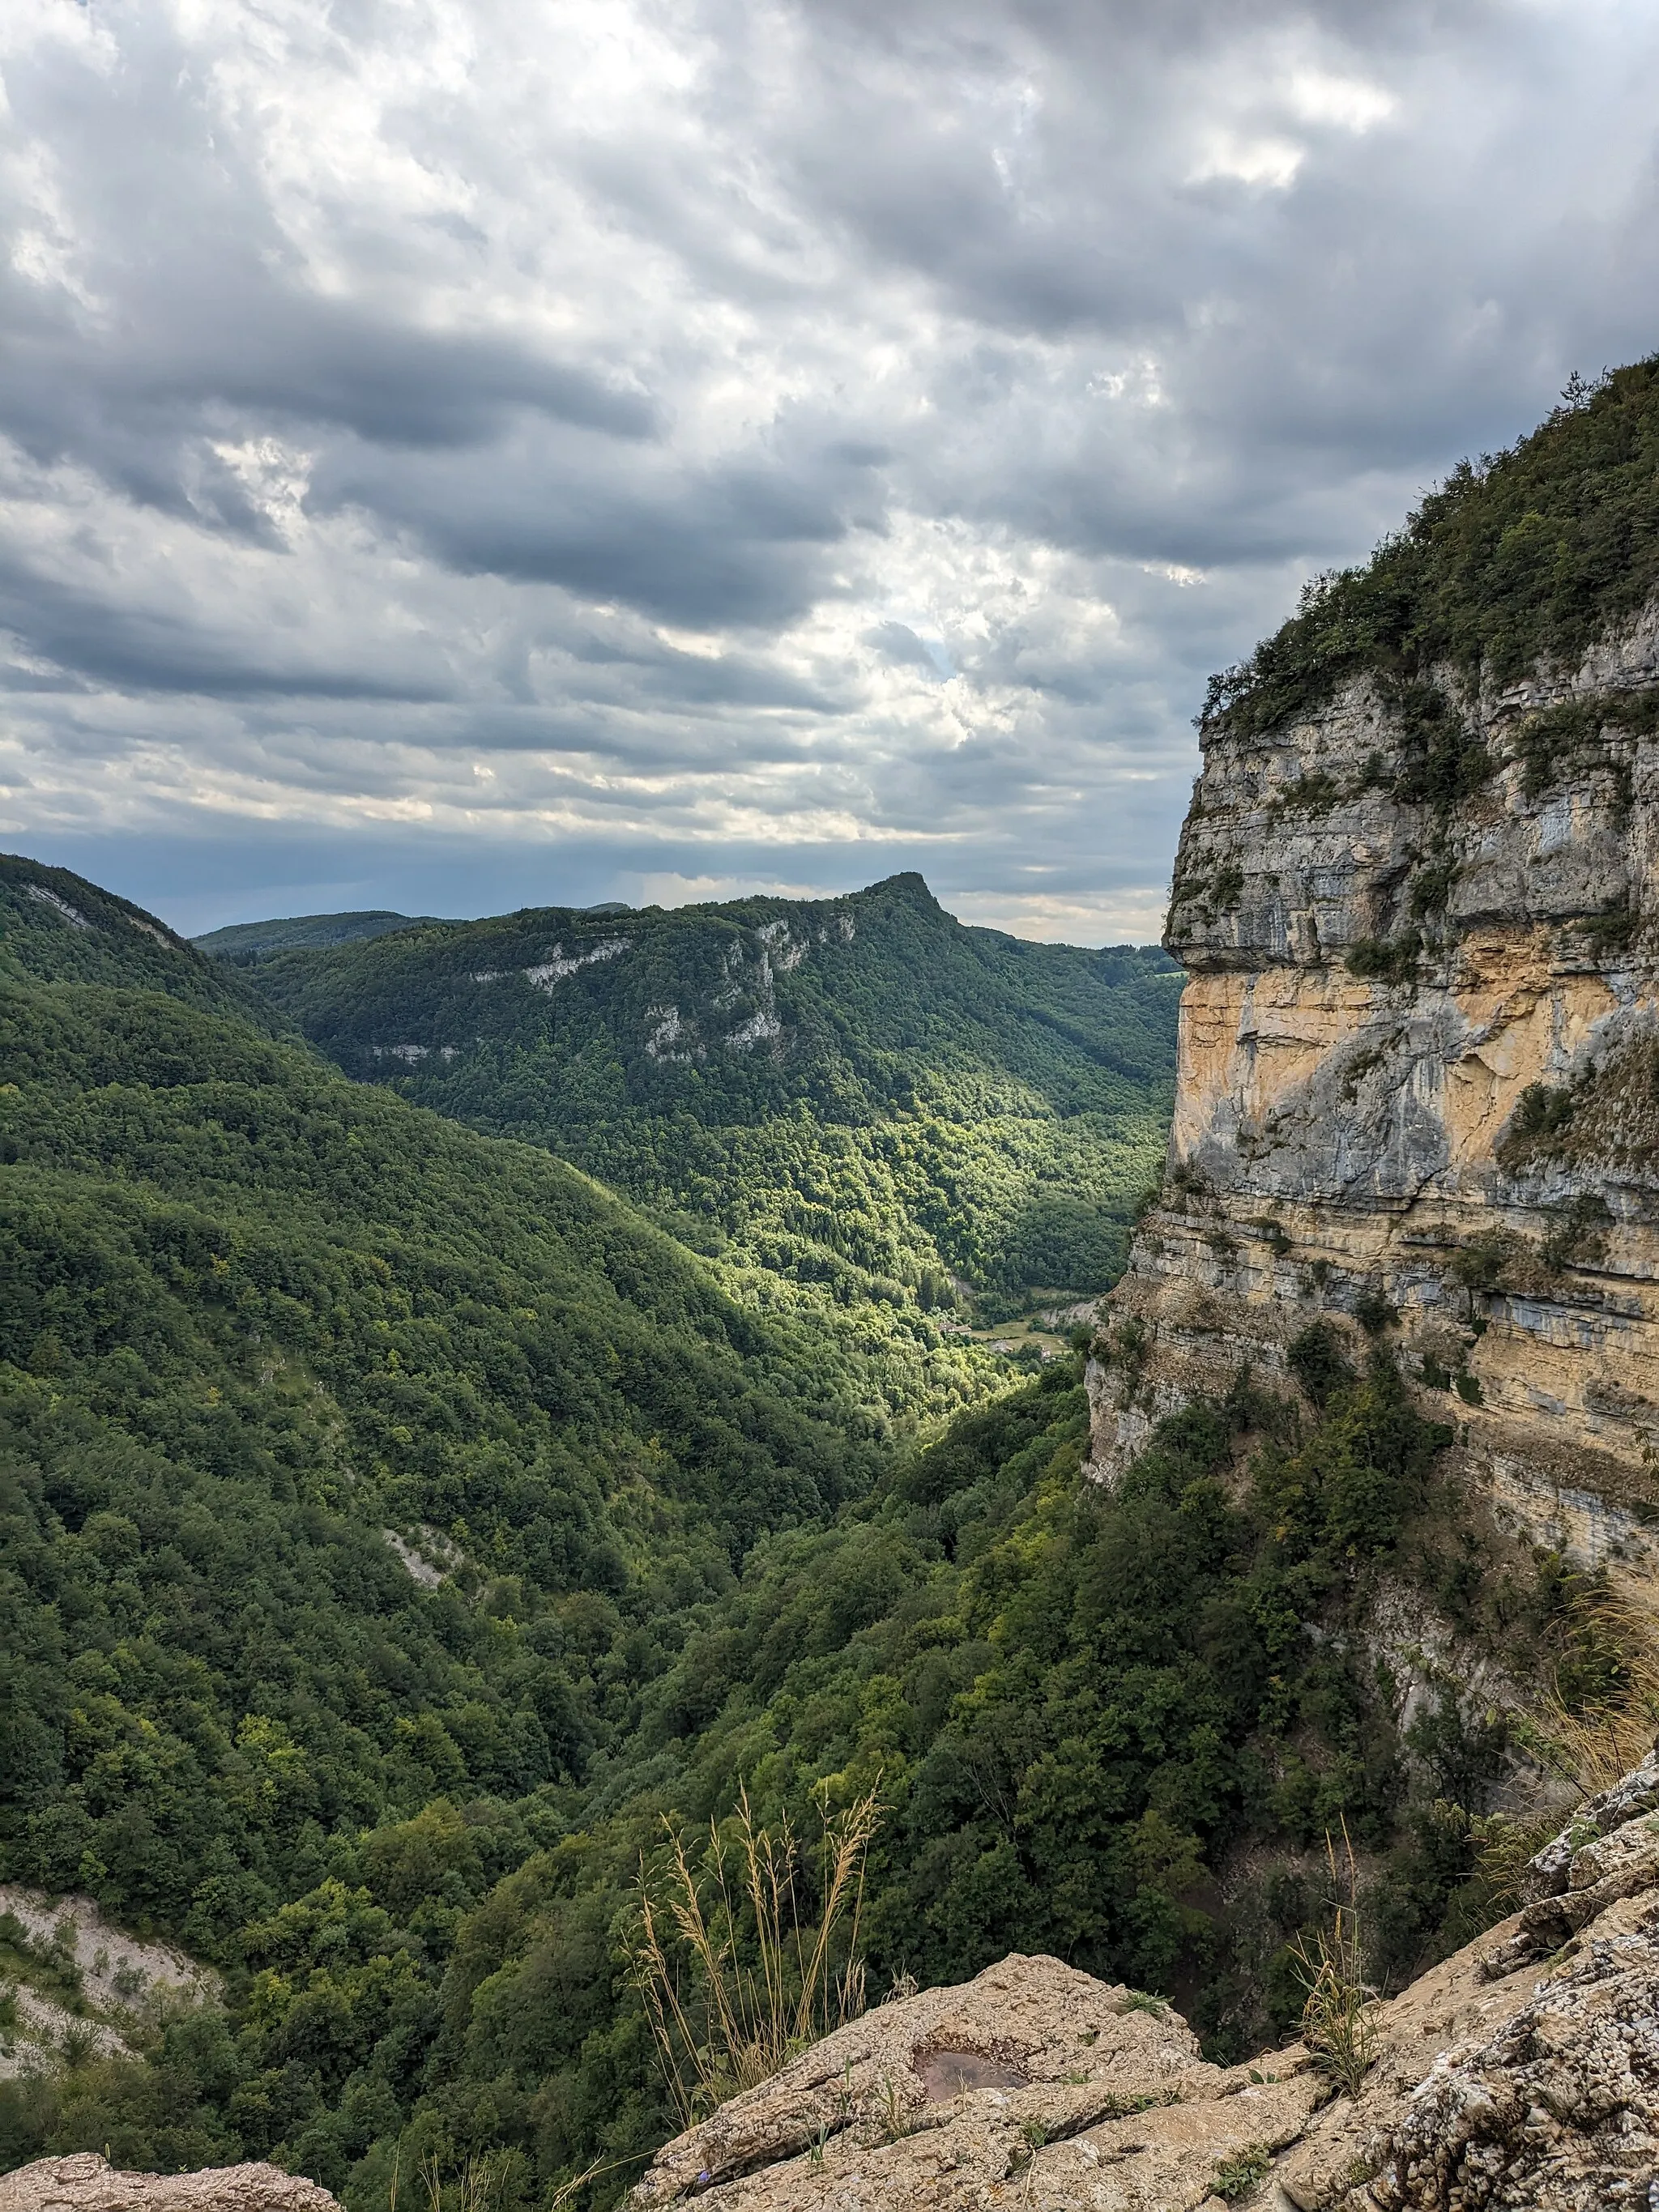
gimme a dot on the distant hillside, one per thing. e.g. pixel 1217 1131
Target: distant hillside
pixel 853 1100
pixel 57 928
pixel 252 940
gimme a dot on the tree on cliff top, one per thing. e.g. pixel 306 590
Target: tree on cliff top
pixel 1525 556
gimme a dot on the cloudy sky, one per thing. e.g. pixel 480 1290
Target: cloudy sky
pixel 464 453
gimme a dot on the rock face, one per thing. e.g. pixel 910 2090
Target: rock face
pixel 1419 1069
pixel 1522 2074
pixel 87 2183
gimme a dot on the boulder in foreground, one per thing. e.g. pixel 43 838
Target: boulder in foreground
pixel 1522 2074
pixel 87 2183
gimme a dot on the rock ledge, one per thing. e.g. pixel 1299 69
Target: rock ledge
pixel 1521 2075
pixel 86 2183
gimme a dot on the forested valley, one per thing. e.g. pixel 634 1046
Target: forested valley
pixel 400 1529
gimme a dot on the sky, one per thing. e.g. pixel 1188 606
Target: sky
pixel 464 454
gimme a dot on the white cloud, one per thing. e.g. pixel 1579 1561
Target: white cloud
pixel 782 427
pixel 1349 103
pixel 1131 915
pixel 1248 160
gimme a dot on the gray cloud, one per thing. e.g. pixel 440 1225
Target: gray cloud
pixel 752 441
pixel 742 543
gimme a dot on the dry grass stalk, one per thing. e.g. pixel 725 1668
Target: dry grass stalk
pixel 734 1981
pixel 475 2189
pixel 1595 1745
pixel 568 2190
pixel 1338 2025
pixel 480 2183
pixel 1586 1747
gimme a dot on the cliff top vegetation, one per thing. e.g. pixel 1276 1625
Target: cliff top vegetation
pixel 1524 555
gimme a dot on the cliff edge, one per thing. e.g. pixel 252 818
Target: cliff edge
pixel 1521 2073
pixel 1418 1091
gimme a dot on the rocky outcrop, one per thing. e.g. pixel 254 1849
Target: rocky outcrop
pixel 934 2094
pixel 1418 1079
pixel 86 2183
pixel 122 1986
pixel 1522 2074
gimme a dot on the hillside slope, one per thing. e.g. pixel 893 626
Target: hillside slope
pixel 348 1458
pixel 252 940
pixel 857 1098
pixel 56 928
pixel 1114 1727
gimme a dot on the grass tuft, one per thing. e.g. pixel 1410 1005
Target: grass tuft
pixel 1338 2024
pixel 736 1978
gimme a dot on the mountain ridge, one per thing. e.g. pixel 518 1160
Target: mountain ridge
pixel 267 1334
pixel 806 1077
pixel 241 941
pixel 57 928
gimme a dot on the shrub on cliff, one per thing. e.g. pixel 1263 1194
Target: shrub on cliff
pixel 1316 1360
pixel 1526 554
pixel 1352 1485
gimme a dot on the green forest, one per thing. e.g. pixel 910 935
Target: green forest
pixel 260 1321
pixel 854 1103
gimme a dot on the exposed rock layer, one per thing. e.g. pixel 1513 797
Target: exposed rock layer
pixel 122 1981
pixel 86 2183
pixel 1523 2073
pixel 1419 1067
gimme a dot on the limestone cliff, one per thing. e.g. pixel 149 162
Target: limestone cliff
pixel 1419 1076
